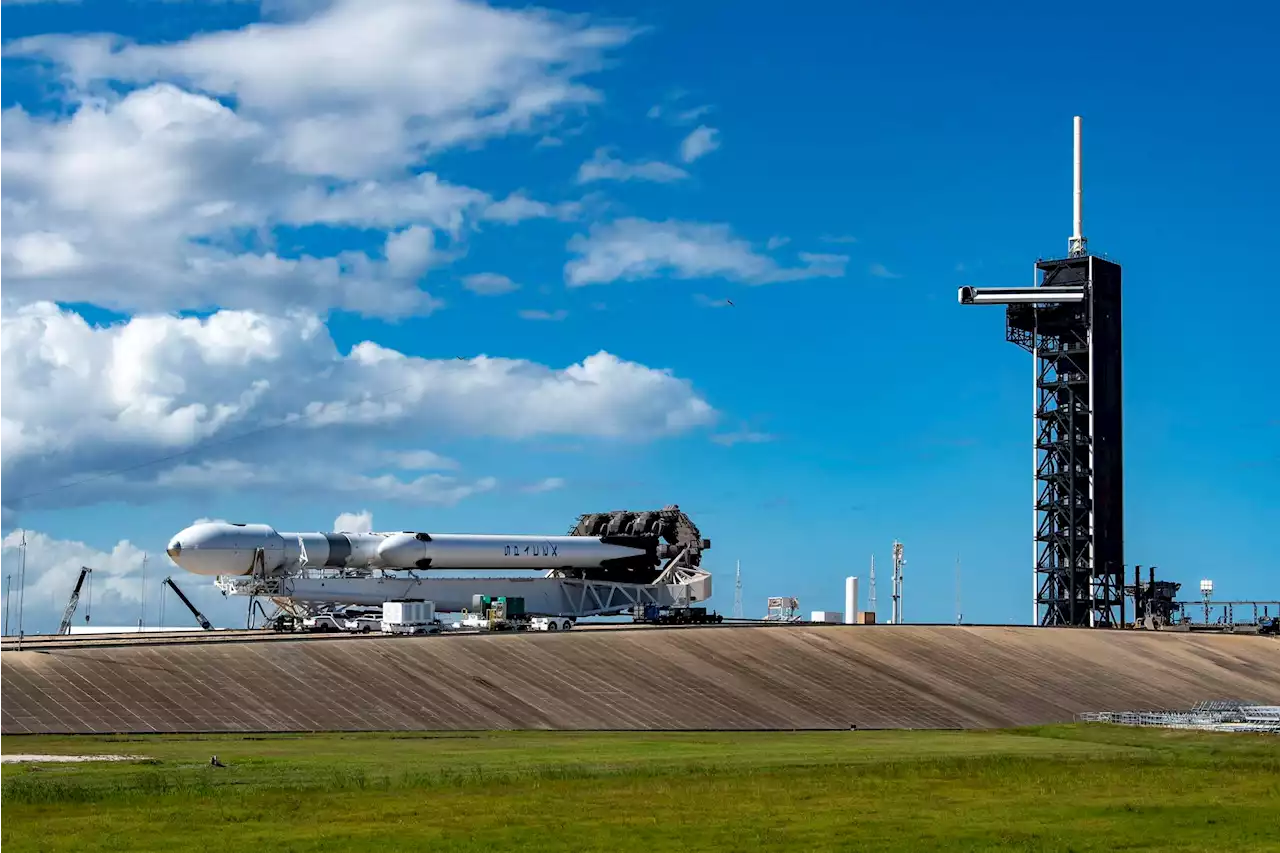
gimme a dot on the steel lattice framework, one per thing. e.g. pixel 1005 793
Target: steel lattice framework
pixel 1079 502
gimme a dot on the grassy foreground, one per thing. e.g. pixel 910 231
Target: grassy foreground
pixel 1068 788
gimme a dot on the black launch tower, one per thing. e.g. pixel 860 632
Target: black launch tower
pixel 1070 323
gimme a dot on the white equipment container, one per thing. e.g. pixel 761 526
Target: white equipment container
pixel 408 616
pixel 826 616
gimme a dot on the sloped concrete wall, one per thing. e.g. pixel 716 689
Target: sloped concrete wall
pixel 693 678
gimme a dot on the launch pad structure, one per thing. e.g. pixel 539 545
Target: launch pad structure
pixel 679 582
pixel 1069 321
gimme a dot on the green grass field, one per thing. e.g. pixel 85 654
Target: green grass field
pixel 1068 788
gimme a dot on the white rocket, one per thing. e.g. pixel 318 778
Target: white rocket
pixel 220 548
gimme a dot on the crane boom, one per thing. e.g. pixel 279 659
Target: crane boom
pixel 200 617
pixel 65 626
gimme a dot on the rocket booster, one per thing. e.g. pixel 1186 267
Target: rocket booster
pixel 221 548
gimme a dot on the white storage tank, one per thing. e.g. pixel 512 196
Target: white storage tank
pixel 826 616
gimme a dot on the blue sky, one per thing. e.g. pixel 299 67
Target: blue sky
pixel 913 149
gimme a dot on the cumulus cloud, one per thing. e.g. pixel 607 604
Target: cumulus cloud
pixel 113 595
pixel 142 204
pixel 395 77
pixel 86 401
pixel 549 484
pixel 742 436
pixel 420 460
pixel 170 178
pixel 354 522
pixel 489 284
pixel 634 249
pixel 604 167
pixel 703 140
pixel 881 271
pixel 542 314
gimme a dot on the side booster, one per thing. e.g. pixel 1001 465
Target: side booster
pixel 221 548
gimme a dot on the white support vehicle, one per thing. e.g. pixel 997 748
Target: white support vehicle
pixel 322 622
pixel 363 624
pixel 341 619
pixel 550 623
pixel 409 617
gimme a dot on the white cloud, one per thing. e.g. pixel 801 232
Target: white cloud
pixel 549 484
pixel 842 239
pixel 670 111
pixel 86 401
pixel 603 167
pixel 634 249
pixel 777 243
pixel 881 271
pixel 295 469
pixel 703 140
pixel 136 205
pixel 518 207
pixel 743 436
pixel 540 314
pixel 113 594
pixel 489 284
pixel 353 522
pixel 165 180
pixel 356 85
pixel 708 302
pixel 421 460
pixel 409 251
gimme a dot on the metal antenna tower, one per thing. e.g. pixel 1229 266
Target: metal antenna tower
pixel 959 614
pixel 22 585
pixel 898 563
pixel 871 591
pixel 1070 323
pixel 142 610
pixel 737 592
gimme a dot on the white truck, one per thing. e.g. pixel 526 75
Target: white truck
pixel 550 623
pixel 409 616
pixel 341 619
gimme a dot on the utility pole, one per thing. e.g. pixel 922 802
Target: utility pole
pixel 737 592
